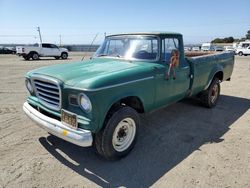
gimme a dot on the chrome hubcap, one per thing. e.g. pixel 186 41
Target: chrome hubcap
pixel 214 94
pixel 124 134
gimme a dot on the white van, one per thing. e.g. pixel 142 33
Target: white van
pixel 207 47
pixel 244 44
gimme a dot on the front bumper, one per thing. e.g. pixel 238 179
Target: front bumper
pixel 79 137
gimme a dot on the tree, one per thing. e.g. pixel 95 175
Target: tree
pixel 225 40
pixel 217 40
pixel 229 40
pixel 248 34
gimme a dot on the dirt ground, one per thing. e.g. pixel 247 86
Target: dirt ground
pixel 183 145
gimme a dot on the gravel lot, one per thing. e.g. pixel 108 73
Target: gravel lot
pixel 183 145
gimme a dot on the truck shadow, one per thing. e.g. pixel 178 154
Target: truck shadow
pixel 167 137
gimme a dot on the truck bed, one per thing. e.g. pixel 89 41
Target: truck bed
pixel 27 49
pixel 205 64
pixel 194 54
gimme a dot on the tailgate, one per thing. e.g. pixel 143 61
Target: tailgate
pixel 20 49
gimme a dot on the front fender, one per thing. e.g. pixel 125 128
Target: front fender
pixel 104 99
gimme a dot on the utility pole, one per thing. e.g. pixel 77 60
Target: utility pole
pixel 60 36
pixel 93 41
pixel 38 29
pixel 104 34
pixel 90 47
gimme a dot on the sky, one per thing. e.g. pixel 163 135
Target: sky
pixel 79 21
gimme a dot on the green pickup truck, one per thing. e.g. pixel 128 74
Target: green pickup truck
pixel 99 101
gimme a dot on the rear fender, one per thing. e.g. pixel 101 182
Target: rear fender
pixel 215 70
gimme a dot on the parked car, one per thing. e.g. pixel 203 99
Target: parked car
pixel 229 49
pixel 243 51
pixel 208 47
pixel 218 48
pixel 97 102
pixel 195 48
pixel 42 50
pixel 7 50
pixel 187 48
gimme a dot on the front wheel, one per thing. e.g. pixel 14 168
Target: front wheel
pixel 240 53
pixel 64 55
pixel 119 134
pixel 35 56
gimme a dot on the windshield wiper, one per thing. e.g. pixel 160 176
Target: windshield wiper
pixel 101 55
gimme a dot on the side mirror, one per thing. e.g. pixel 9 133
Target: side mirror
pixel 175 58
pixel 174 62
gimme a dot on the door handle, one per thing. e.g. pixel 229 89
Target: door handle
pixel 156 68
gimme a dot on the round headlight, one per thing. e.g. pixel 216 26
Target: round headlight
pixel 29 86
pixel 85 103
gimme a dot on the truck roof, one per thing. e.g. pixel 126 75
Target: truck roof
pixel 147 33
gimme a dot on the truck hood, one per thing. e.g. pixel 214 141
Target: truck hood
pixel 95 73
pixel 63 49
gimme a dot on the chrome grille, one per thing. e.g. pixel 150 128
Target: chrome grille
pixel 48 92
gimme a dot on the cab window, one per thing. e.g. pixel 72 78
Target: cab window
pixel 168 45
pixel 53 46
pixel 46 45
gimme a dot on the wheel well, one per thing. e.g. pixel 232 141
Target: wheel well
pixel 132 101
pixel 219 75
pixel 33 52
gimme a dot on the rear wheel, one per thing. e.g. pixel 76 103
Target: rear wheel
pixel 64 55
pixel 35 56
pixel 210 96
pixel 119 134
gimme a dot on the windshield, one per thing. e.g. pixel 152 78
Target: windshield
pixel 129 47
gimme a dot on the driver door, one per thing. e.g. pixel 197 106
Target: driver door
pixel 55 51
pixel 175 85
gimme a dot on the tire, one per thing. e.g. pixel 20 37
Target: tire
pixel 119 134
pixel 35 56
pixel 210 97
pixel 57 57
pixel 64 55
pixel 240 53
